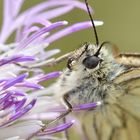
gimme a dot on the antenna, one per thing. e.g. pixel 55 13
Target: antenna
pixel 100 47
pixel 93 25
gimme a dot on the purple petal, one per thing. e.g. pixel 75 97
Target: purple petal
pixel 7 11
pixel 54 13
pixel 52 4
pixel 49 76
pixel 19 93
pixel 7 104
pixel 8 60
pixel 30 14
pixel 39 33
pixel 6 19
pixel 23 110
pixel 85 106
pixel 57 129
pixel 14 81
pixel 10 98
pixel 16 59
pixel 25 58
pixel 16 6
pixel 3 99
pixel 11 9
pixel 5 113
pixel 69 30
pixel 31 29
pixel 20 113
pixel 30 85
pixel 80 107
pixel 20 104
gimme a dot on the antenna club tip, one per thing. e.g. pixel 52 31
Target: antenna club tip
pixel 97 23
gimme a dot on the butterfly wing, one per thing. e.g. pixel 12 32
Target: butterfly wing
pixel 129 59
pixel 119 117
pixel 117 123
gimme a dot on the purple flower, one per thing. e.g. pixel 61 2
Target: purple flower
pixel 25 103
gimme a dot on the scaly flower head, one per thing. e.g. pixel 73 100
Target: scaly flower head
pixel 24 102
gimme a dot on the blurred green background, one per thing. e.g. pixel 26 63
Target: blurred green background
pixel 121 24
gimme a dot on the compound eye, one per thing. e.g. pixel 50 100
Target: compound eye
pixel 91 62
pixel 70 63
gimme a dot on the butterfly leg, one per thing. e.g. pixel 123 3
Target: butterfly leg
pixel 66 135
pixel 48 63
pixel 62 116
pixel 69 109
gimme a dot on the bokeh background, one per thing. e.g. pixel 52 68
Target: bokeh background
pixel 121 24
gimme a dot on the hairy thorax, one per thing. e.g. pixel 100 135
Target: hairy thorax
pixel 83 85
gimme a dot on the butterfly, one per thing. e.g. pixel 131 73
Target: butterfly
pixel 99 73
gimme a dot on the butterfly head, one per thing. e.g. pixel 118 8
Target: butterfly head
pixel 93 60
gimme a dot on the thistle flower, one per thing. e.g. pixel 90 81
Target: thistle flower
pixel 24 102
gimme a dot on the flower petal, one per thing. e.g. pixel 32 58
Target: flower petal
pixel 20 113
pixel 42 31
pixel 22 129
pixel 56 129
pixel 14 81
pixel 71 29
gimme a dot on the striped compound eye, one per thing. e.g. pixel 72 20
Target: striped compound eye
pixel 70 63
pixel 91 62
